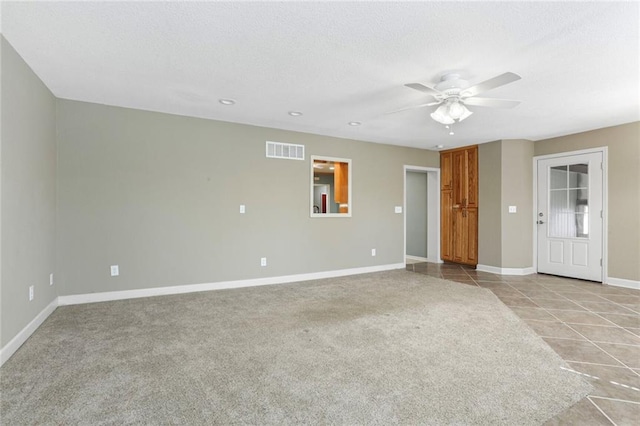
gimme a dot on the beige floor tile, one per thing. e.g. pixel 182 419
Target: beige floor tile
pixel 580 351
pixel 608 289
pixel 541 293
pixel 532 313
pixel 557 304
pixel 584 296
pixel 623 299
pixel 610 381
pixel 492 284
pixel 635 331
pixel 621 413
pixel 634 308
pixel 506 292
pixel 623 320
pixel 517 301
pixel 627 354
pixel 553 329
pixel 598 333
pixel 606 307
pixel 579 317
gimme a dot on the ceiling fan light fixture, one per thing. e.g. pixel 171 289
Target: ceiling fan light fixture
pixel 456 110
pixel 441 115
pixel 466 113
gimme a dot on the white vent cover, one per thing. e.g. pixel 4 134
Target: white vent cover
pixel 285 150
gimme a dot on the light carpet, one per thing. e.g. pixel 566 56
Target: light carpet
pixel 383 348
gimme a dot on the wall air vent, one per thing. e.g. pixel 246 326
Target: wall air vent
pixel 285 150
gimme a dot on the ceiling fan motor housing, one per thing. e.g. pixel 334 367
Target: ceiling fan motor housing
pixel 451 84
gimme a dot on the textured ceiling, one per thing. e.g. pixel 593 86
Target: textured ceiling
pixel 339 62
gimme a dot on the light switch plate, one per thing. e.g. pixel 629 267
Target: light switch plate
pixel 513 209
pixel 242 209
pixel 398 209
pixel 115 270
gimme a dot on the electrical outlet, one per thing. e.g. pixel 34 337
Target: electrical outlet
pixel 373 252
pixel 242 209
pixel 263 261
pixel 51 279
pixel 398 209
pixel 513 209
pixel 31 293
pixel 115 270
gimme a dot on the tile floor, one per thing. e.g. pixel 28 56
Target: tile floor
pixel 594 327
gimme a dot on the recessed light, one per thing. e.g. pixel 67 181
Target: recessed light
pixel 354 123
pixel 227 101
pixel 439 146
pixel 451 133
pixel 295 113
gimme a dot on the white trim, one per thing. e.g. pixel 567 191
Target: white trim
pixel 435 186
pixel 605 202
pixel 76 299
pixel 14 344
pixel 421 259
pixel 621 282
pixel 505 271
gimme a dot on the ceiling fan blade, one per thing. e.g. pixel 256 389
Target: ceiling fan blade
pixel 488 102
pixel 492 83
pixel 414 107
pixel 424 89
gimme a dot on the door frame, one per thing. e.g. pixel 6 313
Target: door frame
pixel 605 203
pixel 433 209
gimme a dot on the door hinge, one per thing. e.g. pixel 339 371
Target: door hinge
pixel 600 214
pixel 601 166
pixel 600 262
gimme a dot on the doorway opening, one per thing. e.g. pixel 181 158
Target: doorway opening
pixel 421 214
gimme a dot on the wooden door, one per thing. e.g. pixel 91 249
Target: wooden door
pixel 459 205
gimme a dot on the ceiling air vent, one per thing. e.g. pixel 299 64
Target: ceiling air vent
pixel 285 150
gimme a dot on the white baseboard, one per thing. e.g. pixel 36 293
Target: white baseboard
pixel 621 282
pixel 15 343
pixel 421 259
pixel 191 288
pixel 505 271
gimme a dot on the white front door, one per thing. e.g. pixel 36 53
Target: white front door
pixel 569 217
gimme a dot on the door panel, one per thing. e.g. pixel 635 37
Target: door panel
pixel 446 168
pixel 570 225
pixel 472 231
pixel 446 225
pixel 459 177
pixel 459 235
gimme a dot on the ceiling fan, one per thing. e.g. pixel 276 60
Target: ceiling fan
pixel 453 94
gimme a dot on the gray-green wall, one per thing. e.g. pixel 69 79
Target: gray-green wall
pixel 159 194
pixel 505 240
pixel 28 193
pixel 490 202
pixel 623 231
pixel 517 190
